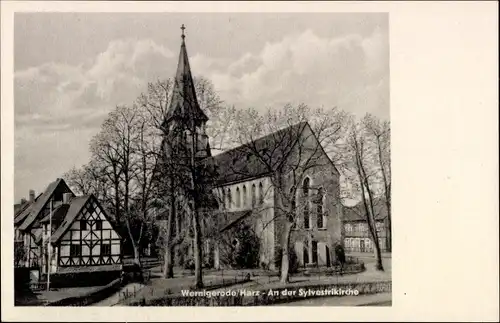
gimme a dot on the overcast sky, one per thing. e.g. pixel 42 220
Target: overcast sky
pixel 71 69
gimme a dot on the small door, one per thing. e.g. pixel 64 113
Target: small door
pixel 362 245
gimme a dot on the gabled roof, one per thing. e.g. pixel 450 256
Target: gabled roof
pixel 76 205
pixel 24 211
pixel 71 212
pixel 184 104
pixel 40 203
pixel 357 212
pixel 241 163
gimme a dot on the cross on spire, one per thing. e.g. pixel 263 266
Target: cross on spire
pixel 182 28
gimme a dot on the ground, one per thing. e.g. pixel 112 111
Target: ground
pixel 382 299
pixel 158 286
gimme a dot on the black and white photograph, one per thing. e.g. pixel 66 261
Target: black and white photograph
pixel 202 159
pixel 164 156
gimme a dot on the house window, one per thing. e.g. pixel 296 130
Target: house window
pixel 223 204
pixel 319 209
pixel 253 195
pixel 98 225
pixel 75 250
pixel 105 249
pixel 229 199
pixel 244 196
pixel 238 197
pixel 83 225
pixel 261 193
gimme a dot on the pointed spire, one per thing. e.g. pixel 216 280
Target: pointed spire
pixel 184 104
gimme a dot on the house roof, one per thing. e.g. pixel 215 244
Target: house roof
pixel 58 214
pixel 257 158
pixel 74 208
pixel 357 212
pixel 40 203
pixel 184 103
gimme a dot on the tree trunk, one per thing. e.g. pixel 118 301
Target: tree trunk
pixel 168 267
pixel 198 275
pixel 378 257
pixel 285 259
pixel 369 215
pixel 135 246
pixel 387 194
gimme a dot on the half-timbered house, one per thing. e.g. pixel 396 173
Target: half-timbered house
pixel 74 232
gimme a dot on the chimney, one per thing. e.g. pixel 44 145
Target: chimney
pixel 67 197
pixel 32 195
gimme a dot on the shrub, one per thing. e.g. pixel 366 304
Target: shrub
pixel 240 248
pixel 189 264
pixel 340 253
pixel 292 259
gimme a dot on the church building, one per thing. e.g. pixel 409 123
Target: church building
pixel 248 183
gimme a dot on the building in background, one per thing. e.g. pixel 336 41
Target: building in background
pixel 356 235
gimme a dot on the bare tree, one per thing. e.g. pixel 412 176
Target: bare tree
pixel 364 172
pixel 115 147
pixel 379 133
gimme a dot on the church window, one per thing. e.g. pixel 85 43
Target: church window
pixel 261 193
pixel 229 199
pixel 306 216
pixel 244 196
pixel 238 197
pixel 305 186
pixel 305 191
pixel 253 195
pixel 319 209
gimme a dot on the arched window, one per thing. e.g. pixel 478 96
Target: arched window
pixel 261 193
pixel 320 220
pixel 253 194
pixel 305 193
pixel 238 197
pixel 229 199
pixel 244 196
pixel 305 186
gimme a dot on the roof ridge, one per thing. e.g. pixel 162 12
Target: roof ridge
pixel 260 138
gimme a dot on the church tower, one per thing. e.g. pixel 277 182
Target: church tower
pixel 185 121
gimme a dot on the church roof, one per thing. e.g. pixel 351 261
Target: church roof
pixel 184 104
pixel 243 163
